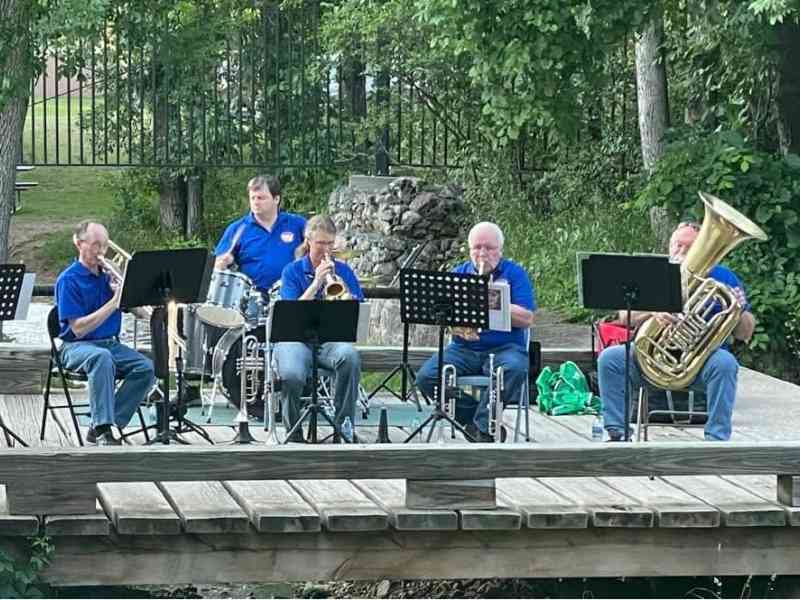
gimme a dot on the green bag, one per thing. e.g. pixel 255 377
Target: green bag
pixel 566 392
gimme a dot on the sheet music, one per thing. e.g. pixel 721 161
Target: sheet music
pixel 25 295
pixel 500 305
pixel 362 333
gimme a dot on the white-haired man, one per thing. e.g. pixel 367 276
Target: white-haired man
pixel 469 350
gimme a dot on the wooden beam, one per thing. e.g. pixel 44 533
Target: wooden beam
pixel 375 555
pixel 473 493
pixel 47 467
pixel 789 490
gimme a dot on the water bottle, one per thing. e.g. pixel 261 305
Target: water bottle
pixel 347 429
pixel 597 429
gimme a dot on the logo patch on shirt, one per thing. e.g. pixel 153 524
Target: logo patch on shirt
pixel 287 237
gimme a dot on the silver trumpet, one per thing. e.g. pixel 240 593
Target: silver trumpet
pixel 447 402
pixel 249 367
pixel 495 405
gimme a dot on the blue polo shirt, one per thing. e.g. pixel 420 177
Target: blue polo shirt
pixel 262 253
pixel 79 292
pixel 725 275
pixel 297 276
pixel 521 293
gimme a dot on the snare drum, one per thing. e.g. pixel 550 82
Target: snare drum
pixel 228 294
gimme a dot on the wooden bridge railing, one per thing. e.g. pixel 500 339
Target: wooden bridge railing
pixel 62 481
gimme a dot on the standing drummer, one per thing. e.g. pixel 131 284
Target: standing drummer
pixel 265 240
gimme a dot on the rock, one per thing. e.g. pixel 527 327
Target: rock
pixel 382 591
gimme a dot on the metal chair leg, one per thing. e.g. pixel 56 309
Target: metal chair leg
pixel 46 398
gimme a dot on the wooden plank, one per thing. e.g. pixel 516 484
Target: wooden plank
pixel 23 368
pixel 138 509
pixel 788 490
pixel 673 507
pixel 738 507
pixel 541 507
pixel 766 487
pixel 205 507
pixel 15 524
pixel 274 506
pixel 390 495
pixel 606 506
pixel 85 524
pixel 77 466
pixel 391 554
pixel 502 516
pixel 342 506
pixel 22 413
pixel 552 430
pixel 466 494
pixel 36 497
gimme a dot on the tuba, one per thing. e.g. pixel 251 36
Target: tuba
pixel 671 356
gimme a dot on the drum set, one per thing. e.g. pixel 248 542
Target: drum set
pixel 212 333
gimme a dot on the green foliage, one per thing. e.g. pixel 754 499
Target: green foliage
pixel 19 576
pixel 767 189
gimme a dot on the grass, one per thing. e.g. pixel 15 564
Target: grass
pixel 65 195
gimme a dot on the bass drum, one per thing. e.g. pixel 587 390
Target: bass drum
pixel 226 355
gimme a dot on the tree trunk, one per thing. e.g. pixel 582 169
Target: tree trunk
pixel 194 205
pixel 651 87
pixel 14 14
pixel 172 205
pixel 788 97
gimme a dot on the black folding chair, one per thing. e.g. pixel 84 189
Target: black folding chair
pixel 67 376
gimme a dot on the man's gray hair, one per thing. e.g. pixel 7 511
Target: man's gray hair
pixel 79 233
pixel 498 233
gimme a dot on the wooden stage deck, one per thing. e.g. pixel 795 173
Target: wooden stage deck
pixel 237 531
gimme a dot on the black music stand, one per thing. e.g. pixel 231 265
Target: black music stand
pixel 156 278
pixel 444 299
pixel 11 276
pixel 646 282
pixel 314 322
pixel 404 368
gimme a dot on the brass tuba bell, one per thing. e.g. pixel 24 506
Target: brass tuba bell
pixel 671 356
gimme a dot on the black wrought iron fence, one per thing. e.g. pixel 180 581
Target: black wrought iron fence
pixel 153 91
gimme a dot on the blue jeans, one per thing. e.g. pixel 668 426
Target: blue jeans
pixel 511 357
pixel 102 360
pixel 717 379
pixel 293 361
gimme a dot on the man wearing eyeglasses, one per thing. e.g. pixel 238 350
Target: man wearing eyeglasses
pixel 87 300
pixel 719 374
pixel 469 349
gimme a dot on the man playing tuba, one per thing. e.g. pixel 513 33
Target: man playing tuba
pixel 317 276
pixel 719 373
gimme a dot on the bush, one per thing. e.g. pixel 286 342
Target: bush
pixel 767 189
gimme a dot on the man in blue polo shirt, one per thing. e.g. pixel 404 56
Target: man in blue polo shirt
pixel 88 310
pixel 305 279
pixel 469 350
pixel 265 240
pixel 719 374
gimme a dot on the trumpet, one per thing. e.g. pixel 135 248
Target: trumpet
pixel 335 287
pixel 495 390
pixel 116 266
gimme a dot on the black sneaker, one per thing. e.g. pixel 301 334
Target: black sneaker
pixel 107 439
pixel 91 436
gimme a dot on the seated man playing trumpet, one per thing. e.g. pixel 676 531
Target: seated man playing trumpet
pixel 317 276
pixel 469 350
pixel 87 297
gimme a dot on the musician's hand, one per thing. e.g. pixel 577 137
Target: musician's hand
pixel 741 297
pixel 116 287
pixel 324 268
pixel 223 261
pixel 665 318
pixel 467 333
